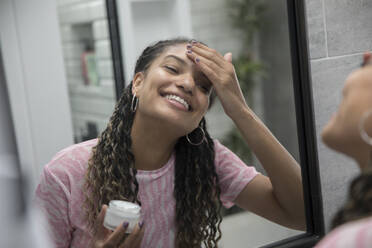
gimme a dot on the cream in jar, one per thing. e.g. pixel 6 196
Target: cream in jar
pixel 122 211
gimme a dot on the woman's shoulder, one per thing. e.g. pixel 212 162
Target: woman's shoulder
pixel 354 234
pixel 218 147
pixel 71 160
pixel 222 152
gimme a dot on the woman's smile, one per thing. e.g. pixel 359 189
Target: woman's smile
pixel 178 102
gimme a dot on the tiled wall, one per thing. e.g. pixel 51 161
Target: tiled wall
pixel 211 24
pixel 339 32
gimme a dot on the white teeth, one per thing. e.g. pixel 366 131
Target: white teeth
pixel 178 99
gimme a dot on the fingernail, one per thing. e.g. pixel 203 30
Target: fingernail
pixel 140 224
pixel 189 46
pixel 193 42
pixel 125 224
pixel 197 60
pixel 366 59
pixel 189 51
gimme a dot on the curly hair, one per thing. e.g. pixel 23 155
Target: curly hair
pixel 111 172
pixel 359 203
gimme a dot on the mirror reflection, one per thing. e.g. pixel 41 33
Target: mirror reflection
pixel 188 173
pixel 88 65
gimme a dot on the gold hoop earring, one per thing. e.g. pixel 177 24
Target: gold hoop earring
pixel 196 143
pixel 134 104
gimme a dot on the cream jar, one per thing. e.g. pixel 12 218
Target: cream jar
pixel 121 211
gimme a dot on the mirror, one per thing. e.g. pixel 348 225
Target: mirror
pixel 100 44
pixel 88 65
pixel 101 41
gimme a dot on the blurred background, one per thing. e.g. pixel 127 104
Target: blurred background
pixel 59 83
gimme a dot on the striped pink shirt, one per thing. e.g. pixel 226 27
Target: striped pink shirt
pixel 60 195
pixel 355 234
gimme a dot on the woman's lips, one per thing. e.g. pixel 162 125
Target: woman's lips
pixel 176 104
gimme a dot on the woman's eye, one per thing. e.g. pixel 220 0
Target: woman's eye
pixel 172 69
pixel 204 88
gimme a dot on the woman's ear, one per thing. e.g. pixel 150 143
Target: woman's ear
pixel 137 84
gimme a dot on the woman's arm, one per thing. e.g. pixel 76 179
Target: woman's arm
pixel 52 198
pixel 278 197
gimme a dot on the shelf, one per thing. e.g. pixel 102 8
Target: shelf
pixel 92 91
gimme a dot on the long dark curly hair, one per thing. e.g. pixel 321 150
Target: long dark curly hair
pixel 359 203
pixel 111 173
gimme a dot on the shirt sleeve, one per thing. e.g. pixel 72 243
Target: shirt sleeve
pixel 52 197
pixel 357 234
pixel 233 173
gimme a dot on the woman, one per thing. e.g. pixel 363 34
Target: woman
pixel 156 151
pixel 350 132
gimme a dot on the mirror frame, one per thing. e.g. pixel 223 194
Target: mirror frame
pixel 302 86
pixel 304 116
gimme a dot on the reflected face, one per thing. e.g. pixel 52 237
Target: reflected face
pixel 342 131
pixel 173 90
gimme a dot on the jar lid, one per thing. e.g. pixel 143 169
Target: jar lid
pixel 128 207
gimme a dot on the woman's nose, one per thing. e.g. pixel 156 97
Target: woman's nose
pixel 187 84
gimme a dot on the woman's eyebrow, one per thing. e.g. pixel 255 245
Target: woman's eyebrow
pixel 183 62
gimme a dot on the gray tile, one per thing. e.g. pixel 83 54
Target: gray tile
pixel 336 171
pixel 315 28
pixel 348 24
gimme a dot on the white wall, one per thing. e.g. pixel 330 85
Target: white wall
pixel 35 78
pixel 8 150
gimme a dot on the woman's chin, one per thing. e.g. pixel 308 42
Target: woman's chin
pixel 335 141
pixel 329 138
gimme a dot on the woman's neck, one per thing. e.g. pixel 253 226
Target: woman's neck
pixel 152 144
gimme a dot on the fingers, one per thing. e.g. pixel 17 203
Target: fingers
pixel 135 238
pixel 216 67
pixel 207 53
pixel 100 230
pixel 208 68
pixel 228 57
pixel 117 236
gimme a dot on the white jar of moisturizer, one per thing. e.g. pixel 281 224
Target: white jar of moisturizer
pixel 120 211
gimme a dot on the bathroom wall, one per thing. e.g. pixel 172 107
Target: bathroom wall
pixel 36 85
pixel 8 149
pixel 339 32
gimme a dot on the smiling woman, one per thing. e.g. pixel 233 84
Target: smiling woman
pixel 156 149
pixel 145 156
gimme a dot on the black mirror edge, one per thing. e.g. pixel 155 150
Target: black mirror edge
pixel 301 72
pixel 116 52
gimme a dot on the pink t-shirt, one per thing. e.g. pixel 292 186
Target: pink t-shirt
pixel 60 194
pixel 355 234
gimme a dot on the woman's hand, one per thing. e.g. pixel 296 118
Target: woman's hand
pixel 220 71
pixel 105 238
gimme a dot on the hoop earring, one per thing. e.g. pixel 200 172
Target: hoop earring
pixel 362 131
pixel 134 104
pixel 198 143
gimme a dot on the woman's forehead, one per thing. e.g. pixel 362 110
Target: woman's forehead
pixel 176 53
pixel 178 50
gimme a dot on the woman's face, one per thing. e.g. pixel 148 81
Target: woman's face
pixel 173 90
pixel 342 131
